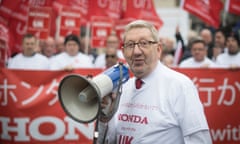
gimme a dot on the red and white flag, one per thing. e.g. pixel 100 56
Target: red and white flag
pixel 207 10
pixel 7 8
pixel 5 43
pixel 178 53
pixel 99 8
pixel 70 21
pixel 101 27
pixel 232 6
pixel 75 5
pixel 142 9
pixel 39 21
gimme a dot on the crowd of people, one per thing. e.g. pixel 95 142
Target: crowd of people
pixel 71 52
pixel 204 50
pixel 166 102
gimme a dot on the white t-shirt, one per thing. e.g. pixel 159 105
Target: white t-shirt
pixel 191 63
pixel 225 60
pixel 35 62
pixel 63 59
pixel 163 111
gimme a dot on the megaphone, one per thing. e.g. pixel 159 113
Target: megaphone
pixel 81 97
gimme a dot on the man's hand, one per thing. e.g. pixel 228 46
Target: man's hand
pixel 107 106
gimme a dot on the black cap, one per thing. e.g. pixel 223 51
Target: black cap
pixel 72 37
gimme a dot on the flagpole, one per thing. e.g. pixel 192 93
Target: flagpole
pixel 225 13
pixel 87 37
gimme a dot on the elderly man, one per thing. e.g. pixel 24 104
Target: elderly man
pixel 158 105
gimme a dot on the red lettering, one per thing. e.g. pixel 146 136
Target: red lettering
pixel 144 121
pixel 125 139
pixel 133 118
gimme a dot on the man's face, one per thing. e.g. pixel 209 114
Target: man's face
pixel 29 46
pixel 72 48
pixel 198 51
pixel 112 41
pixel 232 45
pixel 111 57
pixel 206 36
pixel 141 59
pixel 50 48
pixel 219 40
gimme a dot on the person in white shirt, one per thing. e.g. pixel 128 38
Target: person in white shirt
pixel 207 37
pixel 49 49
pixel 199 57
pixel 72 58
pixel 220 40
pixel 231 58
pixel 29 58
pixel 165 109
pixel 60 44
pixel 168 60
pixel 112 42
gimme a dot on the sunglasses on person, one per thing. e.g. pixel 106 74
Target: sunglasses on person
pixel 110 56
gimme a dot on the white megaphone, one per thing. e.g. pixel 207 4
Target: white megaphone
pixel 81 97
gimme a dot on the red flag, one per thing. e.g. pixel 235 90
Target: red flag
pixel 39 21
pixel 5 44
pixel 7 8
pixel 70 21
pixel 78 5
pixel 207 10
pixel 142 9
pixel 18 25
pixel 101 27
pixel 119 27
pixel 111 9
pixel 45 4
pixel 233 6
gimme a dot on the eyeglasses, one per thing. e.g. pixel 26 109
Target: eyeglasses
pixel 110 56
pixel 141 44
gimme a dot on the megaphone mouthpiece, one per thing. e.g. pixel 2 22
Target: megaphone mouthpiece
pixel 87 94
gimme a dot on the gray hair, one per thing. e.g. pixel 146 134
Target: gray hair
pixel 142 24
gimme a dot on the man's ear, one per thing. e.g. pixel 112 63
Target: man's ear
pixel 159 49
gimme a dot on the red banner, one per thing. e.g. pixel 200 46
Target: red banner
pixel 81 5
pixel 233 6
pixel 207 10
pixel 39 21
pixel 70 21
pixel 31 113
pixel 101 27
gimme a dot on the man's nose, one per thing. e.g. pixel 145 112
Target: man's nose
pixel 137 49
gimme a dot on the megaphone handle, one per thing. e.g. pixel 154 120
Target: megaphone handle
pixel 105 134
pixel 100 138
pixel 119 89
pixel 95 134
